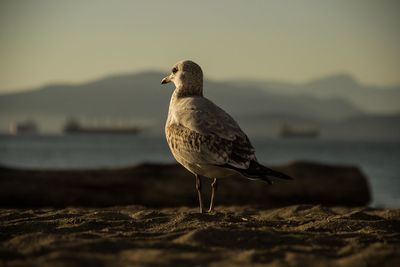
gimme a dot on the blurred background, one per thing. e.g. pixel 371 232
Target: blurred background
pixel 307 80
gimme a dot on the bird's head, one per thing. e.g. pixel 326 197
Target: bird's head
pixel 187 77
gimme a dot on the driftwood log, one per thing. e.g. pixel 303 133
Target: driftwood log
pixel 169 185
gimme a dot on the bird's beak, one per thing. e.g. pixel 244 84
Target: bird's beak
pixel 166 80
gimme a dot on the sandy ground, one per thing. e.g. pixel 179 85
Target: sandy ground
pixel 300 235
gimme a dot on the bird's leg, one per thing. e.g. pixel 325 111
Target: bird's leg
pixel 198 187
pixel 214 186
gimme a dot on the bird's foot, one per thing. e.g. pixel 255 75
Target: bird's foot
pixel 210 210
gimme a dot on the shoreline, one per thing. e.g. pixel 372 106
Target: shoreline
pixel 147 215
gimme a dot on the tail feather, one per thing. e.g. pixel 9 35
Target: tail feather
pixel 260 172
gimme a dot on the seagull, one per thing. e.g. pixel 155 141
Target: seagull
pixel 205 139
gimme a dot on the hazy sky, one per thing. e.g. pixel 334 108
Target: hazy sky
pixel 45 41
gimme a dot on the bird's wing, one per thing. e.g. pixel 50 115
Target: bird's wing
pixel 205 134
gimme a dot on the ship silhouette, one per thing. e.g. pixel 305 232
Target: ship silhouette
pixel 73 126
pixel 288 131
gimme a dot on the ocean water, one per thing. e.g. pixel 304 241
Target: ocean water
pixel 380 161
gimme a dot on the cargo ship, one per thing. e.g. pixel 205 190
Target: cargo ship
pixel 291 132
pixel 74 127
pixel 28 127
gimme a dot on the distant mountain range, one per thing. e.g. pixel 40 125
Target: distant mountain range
pixel 140 97
pixel 372 99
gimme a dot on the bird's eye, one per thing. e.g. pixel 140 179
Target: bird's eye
pixel 174 70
